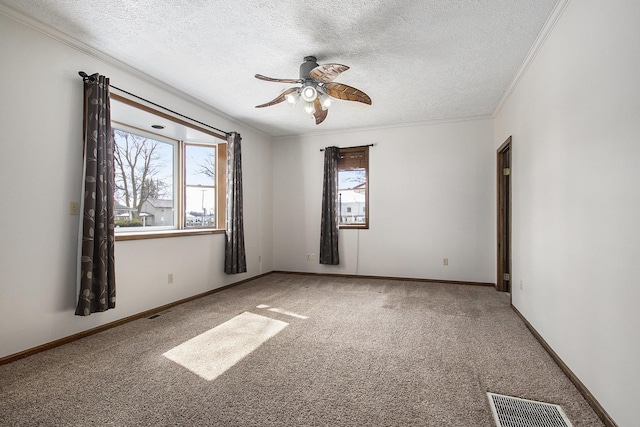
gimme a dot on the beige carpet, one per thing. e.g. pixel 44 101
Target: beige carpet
pixel 353 352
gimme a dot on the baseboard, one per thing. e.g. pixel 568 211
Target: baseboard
pixel 88 332
pixel 591 400
pixel 405 279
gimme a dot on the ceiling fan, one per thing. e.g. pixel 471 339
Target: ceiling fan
pixel 317 88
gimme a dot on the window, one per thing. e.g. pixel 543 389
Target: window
pixel 144 177
pixel 200 185
pixel 353 188
pixel 170 177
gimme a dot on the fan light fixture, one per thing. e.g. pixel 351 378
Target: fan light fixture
pixel 317 89
pixel 292 98
pixel 325 101
pixel 309 108
pixel 309 93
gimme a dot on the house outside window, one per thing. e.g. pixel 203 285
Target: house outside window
pixel 160 212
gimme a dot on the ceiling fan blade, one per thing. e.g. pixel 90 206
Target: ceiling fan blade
pixel 327 72
pixel 271 79
pixel 319 113
pixel 279 98
pixel 348 93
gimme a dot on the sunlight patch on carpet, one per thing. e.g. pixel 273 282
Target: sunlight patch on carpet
pixel 211 353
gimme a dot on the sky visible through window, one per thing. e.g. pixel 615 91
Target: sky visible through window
pixel 348 179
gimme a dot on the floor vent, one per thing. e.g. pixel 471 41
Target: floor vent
pixel 514 412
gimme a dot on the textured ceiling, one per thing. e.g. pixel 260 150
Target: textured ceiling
pixel 419 60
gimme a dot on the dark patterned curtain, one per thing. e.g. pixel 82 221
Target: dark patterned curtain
pixel 329 225
pixel 97 279
pixel 234 254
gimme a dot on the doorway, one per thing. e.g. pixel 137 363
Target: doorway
pixel 503 281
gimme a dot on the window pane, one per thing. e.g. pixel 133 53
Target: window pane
pixel 352 190
pixel 348 179
pixel 200 165
pixel 200 205
pixel 144 181
pixel 200 180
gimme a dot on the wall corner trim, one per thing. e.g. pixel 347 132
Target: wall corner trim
pixel 591 400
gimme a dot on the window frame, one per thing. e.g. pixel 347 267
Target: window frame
pixel 179 229
pixel 220 195
pixel 341 153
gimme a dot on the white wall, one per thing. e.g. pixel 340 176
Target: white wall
pixel 41 166
pixel 431 197
pixel 575 121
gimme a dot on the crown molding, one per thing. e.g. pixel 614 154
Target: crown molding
pixel 544 33
pixel 103 57
pixel 383 127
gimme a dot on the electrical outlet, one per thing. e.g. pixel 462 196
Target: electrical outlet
pixel 311 257
pixel 170 278
pixel 74 208
pixel 521 284
pixel 445 261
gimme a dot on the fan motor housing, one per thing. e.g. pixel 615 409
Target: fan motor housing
pixel 306 67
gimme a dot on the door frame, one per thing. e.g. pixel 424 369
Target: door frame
pixel 503 161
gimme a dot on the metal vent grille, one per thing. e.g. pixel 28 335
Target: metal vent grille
pixel 514 412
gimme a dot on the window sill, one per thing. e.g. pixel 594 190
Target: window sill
pixel 354 226
pixel 166 233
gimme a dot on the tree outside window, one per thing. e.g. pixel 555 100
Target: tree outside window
pixel 144 180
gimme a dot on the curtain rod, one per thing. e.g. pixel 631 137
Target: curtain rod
pixel 86 77
pixel 369 145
